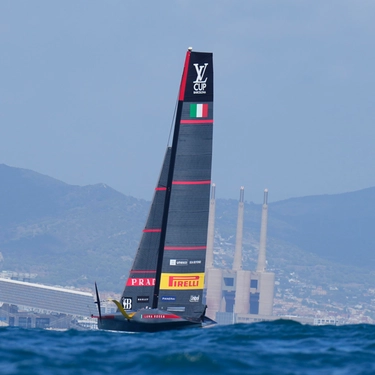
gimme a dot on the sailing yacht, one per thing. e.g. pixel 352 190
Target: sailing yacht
pixel 164 289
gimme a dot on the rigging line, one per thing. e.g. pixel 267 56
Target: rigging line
pixel 172 123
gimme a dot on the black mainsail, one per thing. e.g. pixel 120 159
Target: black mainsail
pixel 165 285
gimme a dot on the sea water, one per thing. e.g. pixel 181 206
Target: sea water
pixel 279 347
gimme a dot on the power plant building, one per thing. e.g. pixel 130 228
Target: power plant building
pixel 237 295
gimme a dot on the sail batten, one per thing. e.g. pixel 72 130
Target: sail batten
pixel 197 122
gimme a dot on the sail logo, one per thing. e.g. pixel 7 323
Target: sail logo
pixel 195 261
pixel 199 85
pixel 141 281
pixel 198 110
pixel 168 298
pixel 143 299
pixel 178 262
pixel 194 299
pixel 182 281
pixel 127 303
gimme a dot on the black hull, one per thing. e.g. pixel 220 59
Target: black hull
pixel 151 320
pixel 130 326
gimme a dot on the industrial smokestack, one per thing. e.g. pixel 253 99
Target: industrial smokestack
pixel 237 262
pixel 242 296
pixel 211 231
pixel 266 292
pixel 261 267
pixel 214 292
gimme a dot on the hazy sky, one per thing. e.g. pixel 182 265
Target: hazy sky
pixel 88 90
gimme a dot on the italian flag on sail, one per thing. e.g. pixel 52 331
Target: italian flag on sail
pixel 198 110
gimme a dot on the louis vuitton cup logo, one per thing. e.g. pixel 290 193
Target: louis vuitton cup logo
pixel 199 85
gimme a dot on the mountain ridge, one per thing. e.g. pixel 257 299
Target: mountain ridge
pixel 75 235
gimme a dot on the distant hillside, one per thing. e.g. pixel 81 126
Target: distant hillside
pixel 73 235
pixel 337 228
pixel 68 235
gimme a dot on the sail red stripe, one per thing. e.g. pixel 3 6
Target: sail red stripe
pixel 196 122
pixel 191 182
pixel 143 271
pixel 151 230
pixel 184 77
pixel 160 188
pixel 185 248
